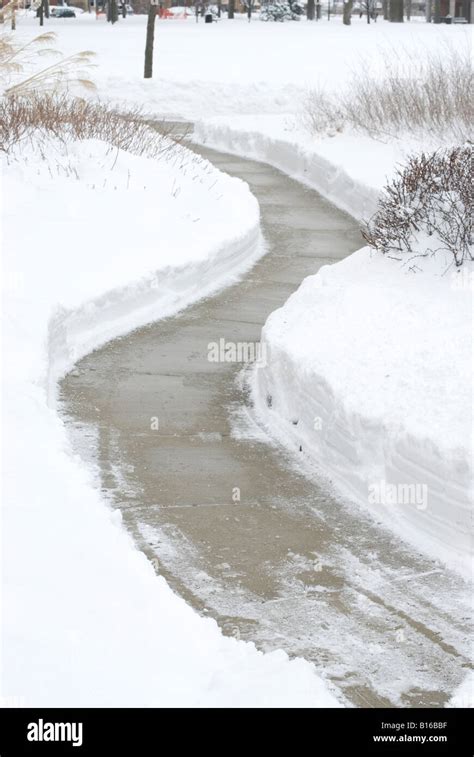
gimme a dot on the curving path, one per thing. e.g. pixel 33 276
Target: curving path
pixel 287 566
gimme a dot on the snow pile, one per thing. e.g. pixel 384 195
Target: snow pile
pixel 335 167
pixel 464 694
pixel 97 242
pixel 149 238
pixel 368 372
pixel 349 169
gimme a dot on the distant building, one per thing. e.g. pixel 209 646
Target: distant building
pixel 458 9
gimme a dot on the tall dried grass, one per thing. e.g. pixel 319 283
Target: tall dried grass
pixel 429 93
pixel 37 102
pixel 22 69
pixel 63 117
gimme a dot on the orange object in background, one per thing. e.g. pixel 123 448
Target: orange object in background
pixel 167 13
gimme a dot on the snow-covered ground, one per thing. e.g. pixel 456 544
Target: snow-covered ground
pixel 372 364
pixel 78 595
pixel 97 242
pixel 464 695
pixel 337 167
pixel 234 67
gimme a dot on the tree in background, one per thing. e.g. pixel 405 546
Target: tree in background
pixel 310 10
pixel 347 12
pixel 112 11
pixel 231 9
pixel 369 8
pixel 396 11
pixel 150 39
pixel 248 5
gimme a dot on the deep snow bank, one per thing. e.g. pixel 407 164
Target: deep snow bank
pixel 95 243
pixel 464 694
pixel 368 365
pixel 368 371
pixel 347 168
pixel 335 167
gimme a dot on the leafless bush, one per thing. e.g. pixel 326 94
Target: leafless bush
pixel 428 207
pixel 429 93
pixel 63 117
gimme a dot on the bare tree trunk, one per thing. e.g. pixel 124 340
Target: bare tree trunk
pixel 41 13
pixel 347 12
pixel 112 11
pixel 249 10
pixel 318 10
pixel 231 11
pixel 436 12
pixel 408 9
pixel 46 8
pixel 219 9
pixel 368 10
pixel 310 10
pixel 385 9
pixel 13 19
pixel 396 11
pixel 150 38
pixel 428 11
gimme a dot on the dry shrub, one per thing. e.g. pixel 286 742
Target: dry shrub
pixel 431 198
pixel 37 104
pixel 63 117
pixel 428 93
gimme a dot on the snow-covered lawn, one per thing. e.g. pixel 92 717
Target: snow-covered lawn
pixel 97 242
pixel 372 363
pixel 235 67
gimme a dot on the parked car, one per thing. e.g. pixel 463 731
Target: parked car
pixel 64 13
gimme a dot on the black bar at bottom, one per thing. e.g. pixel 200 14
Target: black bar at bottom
pixel 148 731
